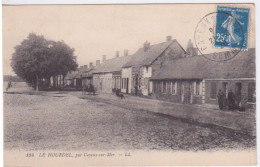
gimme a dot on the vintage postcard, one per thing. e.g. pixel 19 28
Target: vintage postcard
pixel 129 85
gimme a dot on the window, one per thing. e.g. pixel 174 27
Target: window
pixel 118 83
pixel 151 87
pixel 251 92
pixel 197 88
pixel 146 83
pixel 213 90
pixel 174 88
pixel 164 86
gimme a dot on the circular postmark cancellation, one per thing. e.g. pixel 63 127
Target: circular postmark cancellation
pixel 219 36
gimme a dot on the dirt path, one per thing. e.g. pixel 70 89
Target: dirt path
pixel 63 121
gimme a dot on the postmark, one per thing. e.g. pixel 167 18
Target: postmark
pixel 220 36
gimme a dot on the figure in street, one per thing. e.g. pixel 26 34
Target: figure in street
pixel 91 89
pixel 136 90
pixel 9 85
pixel 221 97
pixel 231 100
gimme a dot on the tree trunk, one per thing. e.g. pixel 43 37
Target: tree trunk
pixel 54 81
pixel 60 81
pixel 63 81
pixel 37 83
pixel 49 81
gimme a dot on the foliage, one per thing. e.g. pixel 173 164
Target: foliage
pixel 37 58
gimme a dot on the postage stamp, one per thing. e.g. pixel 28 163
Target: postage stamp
pixel 232 27
pixel 221 35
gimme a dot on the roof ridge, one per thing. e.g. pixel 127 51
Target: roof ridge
pixel 164 42
pixel 114 58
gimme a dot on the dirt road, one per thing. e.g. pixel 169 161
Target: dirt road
pixel 66 121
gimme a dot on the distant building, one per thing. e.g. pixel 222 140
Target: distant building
pixel 11 78
pixel 83 76
pixel 197 80
pixel 146 62
pixel 87 75
pixel 107 76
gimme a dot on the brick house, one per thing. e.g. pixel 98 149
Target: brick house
pixel 196 79
pixel 136 73
pixel 107 76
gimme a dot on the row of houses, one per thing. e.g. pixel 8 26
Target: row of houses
pixel 168 72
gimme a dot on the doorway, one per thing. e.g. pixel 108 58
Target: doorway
pixel 127 80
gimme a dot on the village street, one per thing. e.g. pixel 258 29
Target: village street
pixel 70 121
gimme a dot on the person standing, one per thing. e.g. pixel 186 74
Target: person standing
pixel 136 90
pixel 231 100
pixel 221 99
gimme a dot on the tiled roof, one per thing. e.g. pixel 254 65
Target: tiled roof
pixel 71 75
pixel 112 65
pixel 81 74
pixel 198 67
pixel 88 73
pixel 142 57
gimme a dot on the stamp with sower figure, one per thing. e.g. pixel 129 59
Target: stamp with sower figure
pixel 221 35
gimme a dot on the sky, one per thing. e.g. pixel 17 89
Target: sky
pixel 95 30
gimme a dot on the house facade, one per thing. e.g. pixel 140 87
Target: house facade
pixel 87 76
pixel 103 82
pixel 197 80
pixel 136 73
pixel 107 76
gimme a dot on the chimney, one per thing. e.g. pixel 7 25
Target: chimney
pixel 168 38
pixel 191 51
pixel 90 64
pixel 97 62
pixel 146 46
pixel 125 52
pixel 117 53
pixel 103 58
pixel 190 45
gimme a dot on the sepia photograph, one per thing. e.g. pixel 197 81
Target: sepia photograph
pixel 129 84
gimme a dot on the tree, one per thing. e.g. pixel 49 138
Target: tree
pixel 37 58
pixel 62 58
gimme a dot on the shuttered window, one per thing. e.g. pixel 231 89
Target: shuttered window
pixel 197 88
pixel 174 88
pixel 124 83
pixel 164 86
